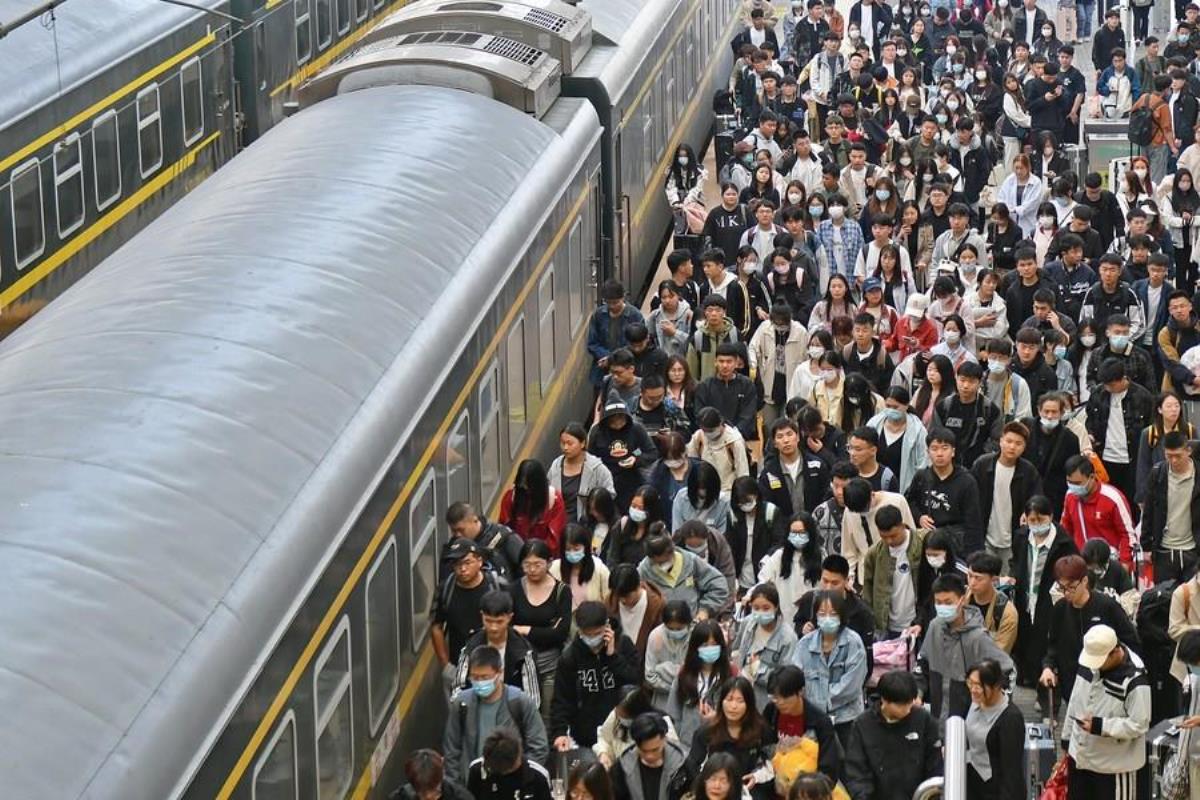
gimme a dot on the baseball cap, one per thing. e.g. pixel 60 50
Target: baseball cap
pixel 461 547
pixel 872 284
pixel 1098 642
pixel 916 305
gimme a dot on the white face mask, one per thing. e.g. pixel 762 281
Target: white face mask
pixel 905 161
pixel 683 161
pixel 748 506
pixel 953 338
pixel 951 49
pixel 748 267
pixel 1002 3
pixel 980 75
pixel 1046 222
pixel 1087 340
pixel 829 375
pixel 816 352
pixel 952 105
pixel 1047 33
pixel 795 197
pixel 1140 172
pixel 837 212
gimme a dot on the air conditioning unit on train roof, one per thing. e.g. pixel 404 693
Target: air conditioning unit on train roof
pixel 504 69
pixel 558 27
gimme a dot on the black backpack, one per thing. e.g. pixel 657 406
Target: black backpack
pixel 1153 616
pixel 1141 125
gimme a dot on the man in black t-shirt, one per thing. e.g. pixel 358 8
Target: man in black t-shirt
pixel 455 615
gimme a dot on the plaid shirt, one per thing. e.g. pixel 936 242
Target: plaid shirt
pixel 852 241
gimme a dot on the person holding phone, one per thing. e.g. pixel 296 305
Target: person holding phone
pixel 588 680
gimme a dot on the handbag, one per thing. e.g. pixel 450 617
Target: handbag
pixel 1056 785
pixel 1175 781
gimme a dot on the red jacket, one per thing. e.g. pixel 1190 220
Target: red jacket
pixel 548 527
pixel 1102 515
pixel 926 335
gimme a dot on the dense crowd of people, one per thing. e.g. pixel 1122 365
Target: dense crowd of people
pixel 913 435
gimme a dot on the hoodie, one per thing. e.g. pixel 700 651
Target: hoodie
pixel 587 686
pixel 889 760
pixel 1118 702
pixel 625 451
pixel 690 579
pixel 948 652
pixel 530 782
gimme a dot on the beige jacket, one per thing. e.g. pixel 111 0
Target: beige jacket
pixel 727 454
pixel 1184 617
pixel 855 542
pixel 762 354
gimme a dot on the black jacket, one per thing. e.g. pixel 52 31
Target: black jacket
pixel 976 426
pixel 736 399
pixel 1107 218
pixel 881 19
pixel 1064 638
pixel 889 760
pixel 829 749
pixel 1154 517
pixel 816 475
pixel 1138 410
pixel 587 686
pixel 1104 41
pixel 1021 23
pixel 1006 755
pixel 1184 118
pixel 951 503
pixel 530 782
pixel 632 440
pixel 1046 115
pixel 502 551
pixel 651 361
pixel 767 535
pixel 1038 375
pixel 876 366
pixel 1026 482
pixel 450 791
pixel 1049 450
pixel 1030 651
pixel 744 38
pixel 975 165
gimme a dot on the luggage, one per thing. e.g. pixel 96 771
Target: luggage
pixel 1041 755
pixel 890 655
pixel 723 143
pixel 1162 741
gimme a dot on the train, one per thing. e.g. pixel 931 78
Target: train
pixel 115 109
pixel 230 447
pixel 112 110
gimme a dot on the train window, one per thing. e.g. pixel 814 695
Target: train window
pixel 546 328
pixel 68 184
pixel 29 228
pixel 275 775
pixel 489 433
pixel 303 10
pixel 192 95
pixel 106 160
pixel 458 461
pixel 333 709
pixel 324 23
pixel 514 364
pixel 422 541
pixel 343 15
pixel 361 9
pixel 383 634
pixel 149 122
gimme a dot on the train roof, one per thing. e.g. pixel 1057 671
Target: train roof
pixel 630 28
pixel 91 36
pixel 189 429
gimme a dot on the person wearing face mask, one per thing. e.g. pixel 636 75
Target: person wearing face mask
pixel 516 653
pixel 995 737
pixel 666 649
pixel 681 574
pixel 586 576
pixel 1105 575
pixel 720 445
pixel 587 681
pixel 756 525
pixel 998 20
pixel 1038 546
pixel 956 640
pixel 834 661
pixel 764 640
pixel 809 373
pixel 711 546
pixel 1050 446
pixel 696 689
pixel 489 704
pixel 795 568
pixel 1047 44
pixel 1097 510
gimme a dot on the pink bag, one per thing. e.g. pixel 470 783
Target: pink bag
pixel 890 655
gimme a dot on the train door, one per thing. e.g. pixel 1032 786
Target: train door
pixel 623 233
pixel 594 233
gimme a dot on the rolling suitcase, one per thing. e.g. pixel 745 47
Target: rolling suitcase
pixel 1162 741
pixel 1041 753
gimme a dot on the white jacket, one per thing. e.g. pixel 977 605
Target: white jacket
pixel 1025 212
pixel 974 308
pixel 762 353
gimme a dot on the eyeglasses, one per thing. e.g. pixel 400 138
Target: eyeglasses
pixel 1068 587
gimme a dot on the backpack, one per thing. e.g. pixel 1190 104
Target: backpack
pixel 1153 616
pixel 1141 125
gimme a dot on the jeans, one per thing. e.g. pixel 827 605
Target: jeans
pixel 1141 22
pixel 1085 12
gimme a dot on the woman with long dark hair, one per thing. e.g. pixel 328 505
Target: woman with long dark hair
pixel 670 473
pixel 1181 211
pixel 627 542
pixel 719 779
pixel 706 666
pixel 532 507
pixel 602 517
pixel 680 385
pixel 755 528
pixel 939 383
pixel 859 402
pixel 795 568
pixel 585 575
pixel 701 499
pixel 666 649
pixel 762 187
pixel 837 302
pixel 739 737
pixel 685 190
pixel 834 661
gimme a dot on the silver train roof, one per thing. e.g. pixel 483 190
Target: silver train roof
pixel 188 428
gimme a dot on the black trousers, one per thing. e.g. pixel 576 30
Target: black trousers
pixel 1122 476
pixel 1098 786
pixel 1174 565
